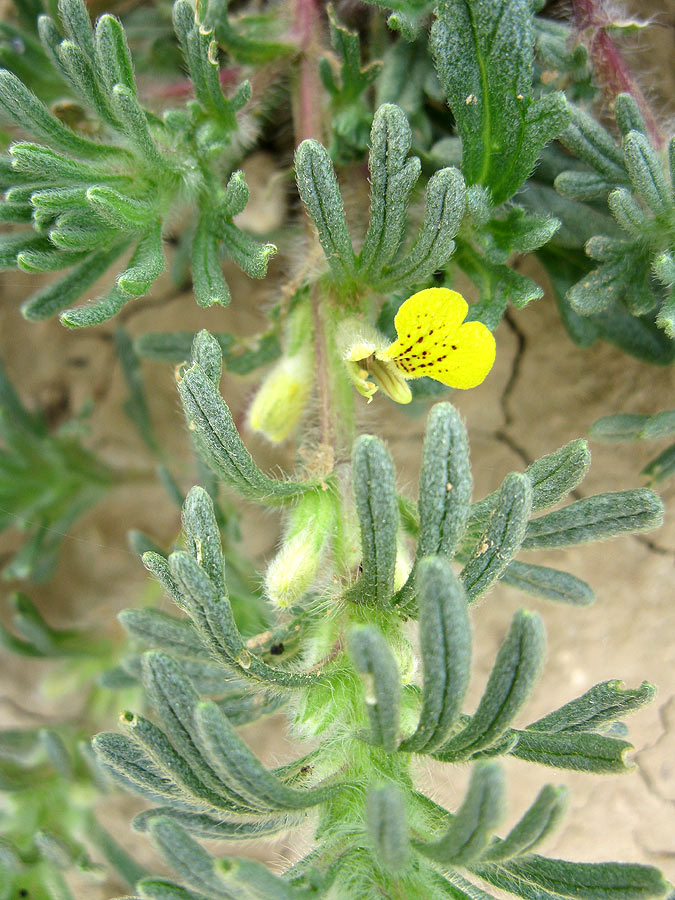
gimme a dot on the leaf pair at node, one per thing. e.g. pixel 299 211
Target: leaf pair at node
pixel 381 264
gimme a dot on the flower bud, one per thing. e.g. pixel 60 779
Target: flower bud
pixel 296 565
pixel 281 399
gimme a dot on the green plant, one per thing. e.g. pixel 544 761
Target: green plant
pixel 630 427
pixel 49 776
pixel 325 632
pixel 47 481
pixel 348 678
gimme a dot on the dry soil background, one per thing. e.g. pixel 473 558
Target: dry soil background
pixel 543 392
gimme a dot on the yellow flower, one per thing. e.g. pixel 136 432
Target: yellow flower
pixel 433 340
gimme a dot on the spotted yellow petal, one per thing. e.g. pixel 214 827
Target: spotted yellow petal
pixel 433 314
pixel 433 341
pixel 466 360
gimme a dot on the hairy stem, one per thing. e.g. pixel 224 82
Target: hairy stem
pixel 308 92
pixel 326 420
pixel 592 20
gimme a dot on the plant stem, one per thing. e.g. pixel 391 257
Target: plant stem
pixel 307 98
pixel 592 20
pixel 322 362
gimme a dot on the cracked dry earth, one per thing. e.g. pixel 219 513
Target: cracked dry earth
pixel 543 392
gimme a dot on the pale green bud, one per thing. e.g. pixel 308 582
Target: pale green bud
pixel 296 566
pixel 403 564
pixel 282 397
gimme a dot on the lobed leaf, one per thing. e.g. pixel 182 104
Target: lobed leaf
pixel 502 538
pixel 320 193
pixel 511 681
pixel 595 519
pixel 387 823
pixel 373 658
pixel 473 824
pixel 445 648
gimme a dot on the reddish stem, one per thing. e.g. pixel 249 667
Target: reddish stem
pixel 307 34
pixel 610 67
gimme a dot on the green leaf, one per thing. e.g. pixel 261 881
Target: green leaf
pixel 146 264
pixel 377 509
pixel 49 260
pixel 374 660
pixel 136 404
pixel 386 818
pixel 621 427
pixel 588 140
pixel 503 536
pixel 587 881
pixel 601 704
pixel 578 751
pixel 242 48
pixel 318 187
pixel 582 185
pixel 175 700
pixel 666 316
pixel 662 467
pixel 249 879
pixel 498 285
pixel 132 766
pixel 628 115
pixel 211 421
pixel 595 519
pixel 392 177
pixel 187 858
pixel 112 53
pixel 511 681
pixel 206 353
pixel 203 535
pixel 484 56
pixel 134 124
pixel 209 610
pixel 235 198
pixel 541 581
pixel 215 827
pixel 158 565
pixel 646 174
pixel 628 213
pixel 250 255
pixel 79 70
pixel 444 483
pixel 21 104
pixel 353 79
pixel 119 211
pixel 13 245
pixel 158 629
pixel 240 768
pixel 472 825
pixel 161 889
pixel 198 783
pixel 445 648
pixel 540 820
pixel 434 243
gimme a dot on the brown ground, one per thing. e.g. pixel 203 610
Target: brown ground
pixel 543 392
